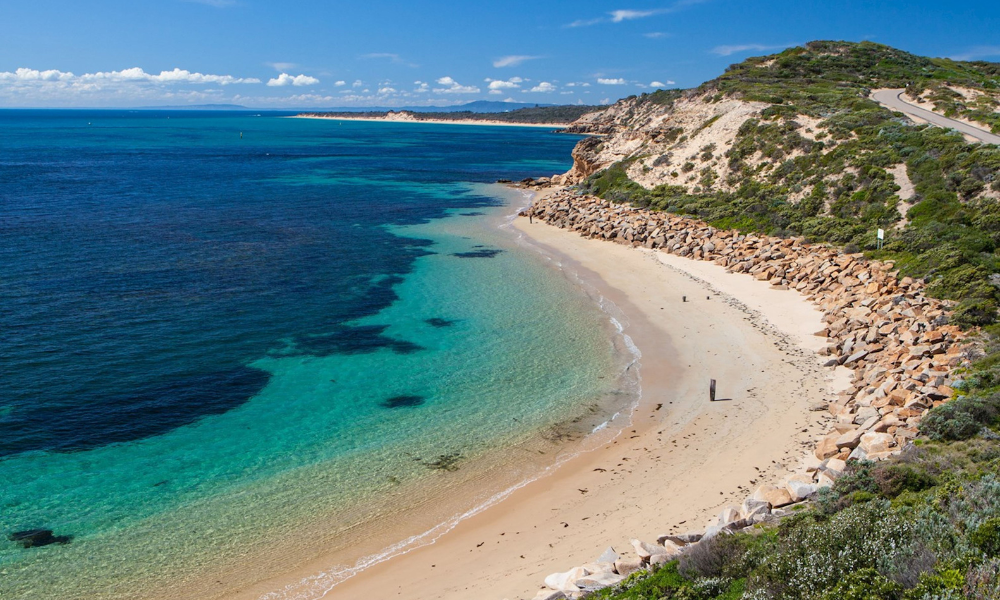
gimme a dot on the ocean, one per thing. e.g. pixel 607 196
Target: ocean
pixel 232 344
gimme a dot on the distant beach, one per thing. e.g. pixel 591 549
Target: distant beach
pixel 436 121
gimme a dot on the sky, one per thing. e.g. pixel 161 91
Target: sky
pixel 324 54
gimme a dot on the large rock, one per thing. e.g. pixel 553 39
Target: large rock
pixel 874 442
pixel 596 581
pixel 608 556
pixel 728 515
pixel 775 497
pixel 752 508
pixel 550 595
pixel 681 539
pixel 851 439
pixel 626 567
pixel 563 582
pixel 644 550
pixel 800 490
pixel 827 447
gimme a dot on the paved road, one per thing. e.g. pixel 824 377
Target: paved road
pixel 891 100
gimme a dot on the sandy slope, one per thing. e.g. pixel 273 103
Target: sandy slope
pixel 684 458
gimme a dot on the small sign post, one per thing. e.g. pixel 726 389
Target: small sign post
pixel 881 237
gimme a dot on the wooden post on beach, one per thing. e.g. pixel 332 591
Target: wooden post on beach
pixel 684 298
pixel 711 391
pixel 529 219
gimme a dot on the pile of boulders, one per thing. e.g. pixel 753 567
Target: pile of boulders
pixel 895 340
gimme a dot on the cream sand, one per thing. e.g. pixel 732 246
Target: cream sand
pixel 681 461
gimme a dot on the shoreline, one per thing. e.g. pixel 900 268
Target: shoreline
pixel 435 121
pixel 569 516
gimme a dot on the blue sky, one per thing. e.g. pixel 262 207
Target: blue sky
pixel 311 53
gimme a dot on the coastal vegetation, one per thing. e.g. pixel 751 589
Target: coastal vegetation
pixel 922 526
pixel 820 159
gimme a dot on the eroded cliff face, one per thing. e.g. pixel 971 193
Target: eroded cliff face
pixel 671 143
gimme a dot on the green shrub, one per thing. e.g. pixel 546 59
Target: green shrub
pixel 815 556
pixel 946 584
pixel 962 418
pixel 895 478
pixel 975 312
pixel 864 584
pixel 986 537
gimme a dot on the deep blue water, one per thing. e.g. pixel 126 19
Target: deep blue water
pixel 147 258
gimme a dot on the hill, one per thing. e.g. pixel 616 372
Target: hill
pixel 528 115
pixel 792 145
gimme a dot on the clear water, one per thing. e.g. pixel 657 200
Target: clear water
pixel 224 357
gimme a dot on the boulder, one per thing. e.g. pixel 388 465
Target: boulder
pixel 550 595
pixel 658 560
pixel 644 550
pixel 608 556
pixel 563 582
pixel 800 490
pixel 752 507
pixel 728 515
pixel 827 447
pixel 851 439
pixel 874 442
pixel 681 539
pixel 596 581
pixel 775 497
pixel 626 567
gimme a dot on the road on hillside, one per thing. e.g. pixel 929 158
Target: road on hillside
pixel 891 99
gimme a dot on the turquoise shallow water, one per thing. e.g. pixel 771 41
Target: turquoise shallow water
pixel 413 361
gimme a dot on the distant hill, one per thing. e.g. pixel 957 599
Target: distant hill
pixel 533 114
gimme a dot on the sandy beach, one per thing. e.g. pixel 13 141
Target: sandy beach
pixel 682 460
pixel 436 121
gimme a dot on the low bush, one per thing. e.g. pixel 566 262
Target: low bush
pixel 961 418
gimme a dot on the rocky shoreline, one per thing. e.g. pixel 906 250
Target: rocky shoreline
pixel 894 339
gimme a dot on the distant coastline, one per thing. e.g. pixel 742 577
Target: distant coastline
pixel 558 117
pixel 434 121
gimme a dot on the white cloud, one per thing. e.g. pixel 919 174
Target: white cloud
pixel 513 60
pixel 34 75
pixel 340 83
pixel 661 84
pixel 655 35
pixel 422 87
pixel 621 15
pixel 617 16
pixel 585 22
pixel 387 90
pixel 281 66
pixel 357 83
pixel 604 81
pixel 133 75
pixel 296 80
pixel 738 48
pixel 544 87
pixel 978 52
pixel 453 87
pixel 497 86
pixel 605 100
